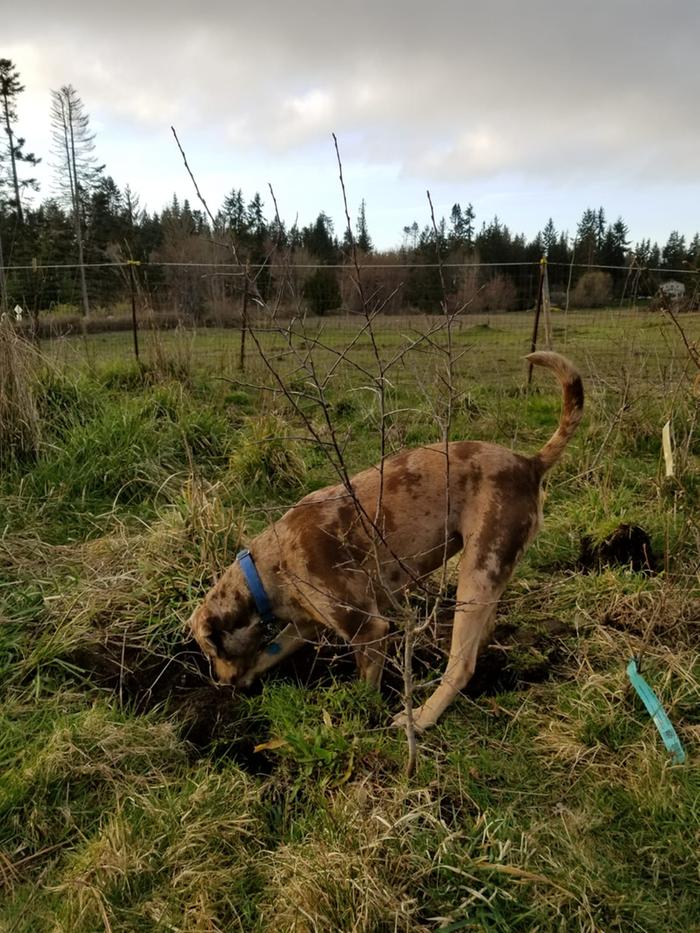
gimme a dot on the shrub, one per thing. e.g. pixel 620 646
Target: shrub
pixel 321 291
pixel 593 290
pixel 499 294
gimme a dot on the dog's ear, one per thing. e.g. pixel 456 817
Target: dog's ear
pixel 225 643
pixel 214 640
pixel 208 632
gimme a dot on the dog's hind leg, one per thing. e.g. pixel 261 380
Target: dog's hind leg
pixel 473 622
pixel 490 555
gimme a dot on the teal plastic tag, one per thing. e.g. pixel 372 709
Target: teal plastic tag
pixel 657 713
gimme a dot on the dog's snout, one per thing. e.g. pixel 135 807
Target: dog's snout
pixel 226 672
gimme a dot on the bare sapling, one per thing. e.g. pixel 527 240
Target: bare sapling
pixel 303 377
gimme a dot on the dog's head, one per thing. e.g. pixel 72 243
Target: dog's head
pixel 228 628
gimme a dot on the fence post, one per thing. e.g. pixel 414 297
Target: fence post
pixel 538 311
pixel 134 325
pixel 3 283
pixel 244 318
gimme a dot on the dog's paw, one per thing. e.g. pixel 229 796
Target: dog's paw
pixel 400 719
pixel 246 681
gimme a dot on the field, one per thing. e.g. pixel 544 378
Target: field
pixel 134 794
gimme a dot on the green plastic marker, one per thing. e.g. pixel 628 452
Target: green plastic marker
pixel 657 713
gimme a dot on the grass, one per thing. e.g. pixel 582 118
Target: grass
pixel 20 425
pixel 136 795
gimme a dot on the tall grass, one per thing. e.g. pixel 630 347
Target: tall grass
pixel 20 368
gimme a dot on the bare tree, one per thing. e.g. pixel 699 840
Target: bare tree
pixel 76 166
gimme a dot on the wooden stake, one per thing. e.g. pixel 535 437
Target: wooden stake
pixel 538 311
pixel 668 449
pixel 134 324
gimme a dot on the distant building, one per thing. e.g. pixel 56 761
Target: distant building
pixel 672 290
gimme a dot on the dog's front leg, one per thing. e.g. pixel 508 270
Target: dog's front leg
pixel 289 640
pixel 370 649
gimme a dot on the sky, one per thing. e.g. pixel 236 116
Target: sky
pixel 526 110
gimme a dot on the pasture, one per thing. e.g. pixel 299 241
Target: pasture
pixel 137 795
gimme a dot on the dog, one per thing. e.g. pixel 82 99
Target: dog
pixel 343 555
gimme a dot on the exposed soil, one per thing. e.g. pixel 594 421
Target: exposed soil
pixel 627 546
pixel 218 726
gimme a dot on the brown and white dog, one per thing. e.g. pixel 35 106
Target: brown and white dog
pixel 338 559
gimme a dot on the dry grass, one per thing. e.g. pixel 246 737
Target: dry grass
pixel 357 873
pixel 170 358
pixel 20 368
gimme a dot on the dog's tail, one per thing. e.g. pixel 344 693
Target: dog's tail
pixel 572 410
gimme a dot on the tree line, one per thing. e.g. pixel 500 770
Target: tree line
pixel 89 220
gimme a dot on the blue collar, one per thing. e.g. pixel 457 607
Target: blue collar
pixel 257 591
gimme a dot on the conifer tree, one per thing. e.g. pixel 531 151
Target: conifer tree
pixel 10 89
pixel 549 237
pixel 362 238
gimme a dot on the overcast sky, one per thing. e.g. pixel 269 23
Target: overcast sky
pixel 528 110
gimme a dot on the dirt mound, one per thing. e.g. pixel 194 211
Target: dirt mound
pixel 627 546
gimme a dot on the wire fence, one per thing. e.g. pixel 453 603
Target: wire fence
pixel 613 321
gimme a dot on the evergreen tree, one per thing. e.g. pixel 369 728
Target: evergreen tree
pixel 674 252
pixel 10 89
pixel 363 239
pixel 106 223
pixel 132 208
pixel 320 240
pixel 411 233
pixel 549 237
pixel 495 244
pixel 600 227
pixel 587 237
pixel 234 214
pixel 429 241
pixel 256 221
pixel 461 227
pixel 613 249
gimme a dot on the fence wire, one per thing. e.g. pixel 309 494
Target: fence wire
pixel 614 321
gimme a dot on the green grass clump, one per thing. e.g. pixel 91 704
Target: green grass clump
pixel 264 455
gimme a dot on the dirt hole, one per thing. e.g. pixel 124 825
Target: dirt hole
pixel 219 727
pixel 627 546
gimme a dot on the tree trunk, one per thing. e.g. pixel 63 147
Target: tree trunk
pixel 75 192
pixel 13 163
pixel 3 285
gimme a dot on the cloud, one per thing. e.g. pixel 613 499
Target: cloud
pixel 450 92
